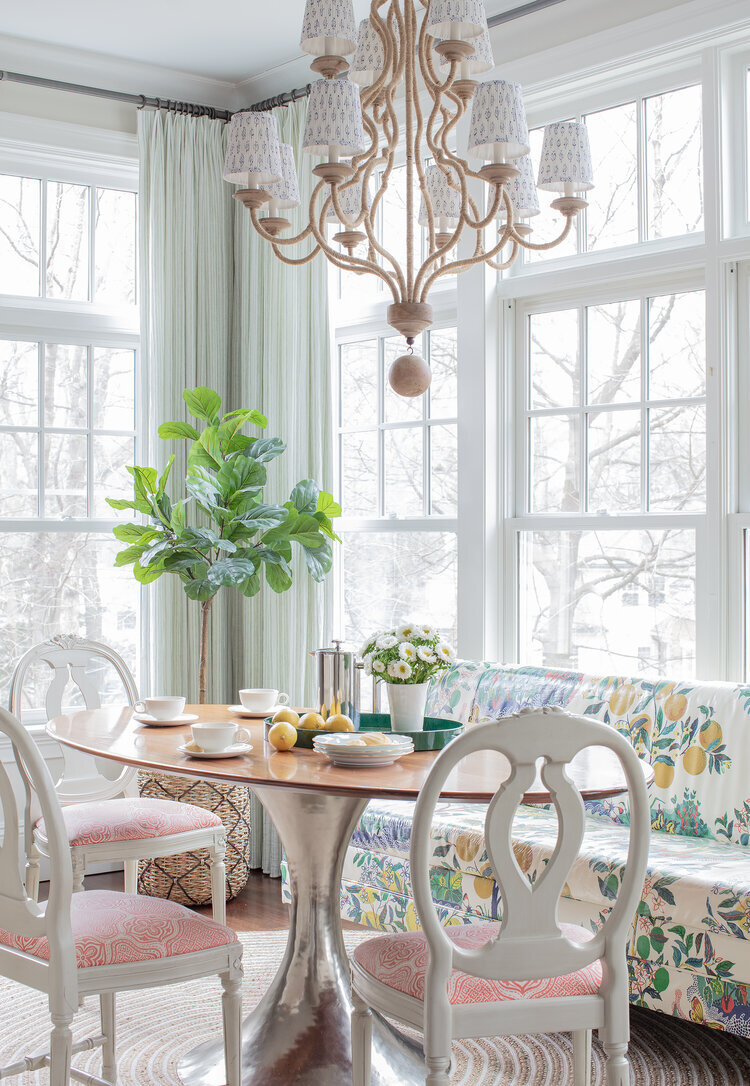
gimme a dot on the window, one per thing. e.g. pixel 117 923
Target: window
pixel 398 487
pixel 68 377
pixel 615 426
pixel 647 159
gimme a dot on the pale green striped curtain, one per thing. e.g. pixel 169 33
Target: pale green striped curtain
pixel 220 309
pixel 281 364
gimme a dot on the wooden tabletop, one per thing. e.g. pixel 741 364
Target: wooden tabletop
pixel 112 733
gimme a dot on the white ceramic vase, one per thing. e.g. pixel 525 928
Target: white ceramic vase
pixel 406 702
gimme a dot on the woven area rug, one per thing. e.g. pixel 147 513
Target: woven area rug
pixel 664 1051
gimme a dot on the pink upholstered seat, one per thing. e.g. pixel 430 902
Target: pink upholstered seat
pixel 131 819
pixel 110 928
pixel 400 962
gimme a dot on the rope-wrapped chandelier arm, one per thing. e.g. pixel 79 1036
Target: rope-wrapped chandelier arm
pixel 294 261
pixel 543 246
pixel 345 261
pixel 464 263
pixel 267 236
pixel 507 263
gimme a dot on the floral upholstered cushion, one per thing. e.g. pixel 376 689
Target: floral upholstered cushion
pixel 111 928
pixel 131 819
pixel 400 961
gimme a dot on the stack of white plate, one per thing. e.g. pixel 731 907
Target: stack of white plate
pixel 343 749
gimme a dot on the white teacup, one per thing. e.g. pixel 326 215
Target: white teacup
pixel 261 699
pixel 162 707
pixel 215 736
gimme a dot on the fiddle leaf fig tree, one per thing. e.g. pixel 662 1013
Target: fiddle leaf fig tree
pixel 221 534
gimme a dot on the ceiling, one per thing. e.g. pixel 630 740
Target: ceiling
pixel 222 40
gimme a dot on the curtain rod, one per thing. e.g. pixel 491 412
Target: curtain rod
pixel 143 101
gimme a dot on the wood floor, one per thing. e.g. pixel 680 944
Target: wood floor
pixel 257 908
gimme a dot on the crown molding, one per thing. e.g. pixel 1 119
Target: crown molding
pixel 111 73
pixel 283 77
pixel 113 151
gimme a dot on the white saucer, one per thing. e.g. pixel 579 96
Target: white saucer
pixel 183 718
pixel 254 714
pixel 231 752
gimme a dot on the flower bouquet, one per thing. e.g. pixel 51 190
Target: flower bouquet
pixel 406 659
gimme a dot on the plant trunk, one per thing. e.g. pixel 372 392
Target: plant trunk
pixel 205 612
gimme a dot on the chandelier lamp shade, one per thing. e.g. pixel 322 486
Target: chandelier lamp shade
pixel 391 94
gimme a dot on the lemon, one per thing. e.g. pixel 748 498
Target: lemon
pixel 339 722
pixel 663 774
pixel 286 715
pixel 675 706
pixel 710 735
pixel 694 760
pixel 374 739
pixel 312 722
pixel 283 735
pixel 622 699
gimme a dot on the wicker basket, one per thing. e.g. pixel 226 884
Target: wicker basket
pixel 186 878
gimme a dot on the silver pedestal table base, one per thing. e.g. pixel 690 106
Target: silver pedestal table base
pixel 299 1034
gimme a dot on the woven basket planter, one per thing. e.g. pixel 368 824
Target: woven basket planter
pixel 186 877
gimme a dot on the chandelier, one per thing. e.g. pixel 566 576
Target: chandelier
pixel 353 124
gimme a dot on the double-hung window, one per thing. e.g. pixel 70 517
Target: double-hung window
pixel 69 378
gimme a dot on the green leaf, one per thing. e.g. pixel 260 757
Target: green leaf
pixel 153 553
pixel 661 980
pixel 277 578
pixel 264 449
pixel 643 947
pixel 122 503
pixel 178 429
pixel 200 590
pixel 129 555
pixel 180 560
pixel 145 476
pixel 305 530
pixel 211 443
pixel 199 458
pixel 203 403
pixel 231 571
pixel 250 414
pixel 262 518
pixel 163 478
pixel 319 561
pixel 178 519
pixel 135 533
pixel 304 496
pixel 326 527
pixel 250 587
pixel 327 505
pixel 146 576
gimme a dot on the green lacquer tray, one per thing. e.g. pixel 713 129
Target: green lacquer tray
pixel 437 733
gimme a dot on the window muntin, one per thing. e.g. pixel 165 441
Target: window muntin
pixel 616 398
pixel 67 242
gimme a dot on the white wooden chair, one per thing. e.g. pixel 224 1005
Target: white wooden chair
pixel 100 942
pixel 532 974
pixel 126 827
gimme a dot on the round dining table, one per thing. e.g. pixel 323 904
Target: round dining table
pixel 299 1034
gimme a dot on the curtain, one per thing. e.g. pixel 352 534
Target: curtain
pixel 281 364
pixel 187 271
pixel 218 308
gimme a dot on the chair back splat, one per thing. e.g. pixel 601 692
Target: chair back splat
pixel 530 943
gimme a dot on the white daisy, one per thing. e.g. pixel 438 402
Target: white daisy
pixel 443 651
pixel 425 631
pixel 378 667
pixel 407 631
pixel 365 648
pixel 386 641
pixel 426 655
pixel 399 669
pixel 368 662
pixel 407 651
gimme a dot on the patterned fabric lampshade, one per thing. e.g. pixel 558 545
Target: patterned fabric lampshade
pixel 481 60
pixel 253 154
pixel 368 59
pixel 329 28
pixel 522 191
pixel 350 201
pixel 285 193
pixel 498 129
pixel 565 165
pixel 334 119
pixel 457 20
pixel 446 201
